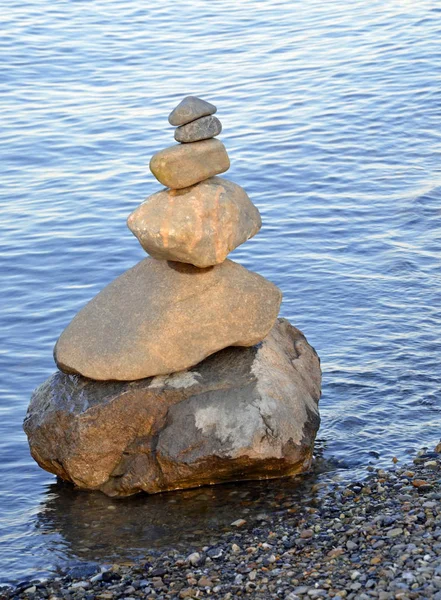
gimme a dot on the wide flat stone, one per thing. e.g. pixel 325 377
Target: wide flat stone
pixel 243 413
pixel 160 317
pixel 182 165
pixel 199 225
pixel 190 109
pixel 201 129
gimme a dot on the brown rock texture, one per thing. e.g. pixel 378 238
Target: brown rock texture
pixel 201 129
pixel 199 225
pixel 190 109
pixel 243 413
pixel 160 317
pixel 183 165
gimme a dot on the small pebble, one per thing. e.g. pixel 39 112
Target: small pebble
pixel 419 483
pixel 194 558
pixel 238 523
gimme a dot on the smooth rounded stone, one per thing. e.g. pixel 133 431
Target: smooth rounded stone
pixel 160 317
pixel 183 165
pixel 243 413
pixel 190 109
pixel 199 225
pixel 201 129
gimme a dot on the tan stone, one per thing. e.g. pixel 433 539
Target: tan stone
pixel 199 225
pixel 160 317
pixel 243 413
pixel 183 165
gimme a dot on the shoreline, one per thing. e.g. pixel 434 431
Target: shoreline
pixel 377 538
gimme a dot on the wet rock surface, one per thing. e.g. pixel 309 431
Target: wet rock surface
pixel 379 537
pixel 241 414
pixel 160 317
pixel 199 225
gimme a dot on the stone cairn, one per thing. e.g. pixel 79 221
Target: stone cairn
pixel 161 384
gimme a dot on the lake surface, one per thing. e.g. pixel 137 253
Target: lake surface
pixel 331 114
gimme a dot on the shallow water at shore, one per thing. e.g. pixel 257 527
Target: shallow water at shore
pixel 375 538
pixel 331 119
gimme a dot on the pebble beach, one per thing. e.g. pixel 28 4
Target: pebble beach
pixel 379 537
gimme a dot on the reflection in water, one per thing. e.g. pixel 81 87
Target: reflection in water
pixel 95 527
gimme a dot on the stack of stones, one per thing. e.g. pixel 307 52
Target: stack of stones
pixel 136 404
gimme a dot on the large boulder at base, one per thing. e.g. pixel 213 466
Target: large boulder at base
pixel 199 225
pixel 182 165
pixel 243 413
pixel 160 317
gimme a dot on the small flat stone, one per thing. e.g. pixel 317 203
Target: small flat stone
pixel 188 593
pixel 238 523
pixel 421 483
pixel 79 584
pixel 335 552
pixel 394 532
pixel 190 109
pixel 199 225
pixel 184 165
pixel 201 129
pixel 306 533
pixel 194 558
pixel 205 582
pixel 301 589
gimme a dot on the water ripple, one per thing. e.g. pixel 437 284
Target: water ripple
pixel 331 119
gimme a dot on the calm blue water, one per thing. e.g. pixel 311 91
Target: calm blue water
pixel 331 115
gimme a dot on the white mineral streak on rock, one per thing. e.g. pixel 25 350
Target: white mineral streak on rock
pixel 158 381
pixel 214 421
pixel 276 386
pixel 183 379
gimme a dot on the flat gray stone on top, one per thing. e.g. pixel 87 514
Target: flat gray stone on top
pixel 201 129
pixel 190 109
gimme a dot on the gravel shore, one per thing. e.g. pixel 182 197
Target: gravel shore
pixel 378 538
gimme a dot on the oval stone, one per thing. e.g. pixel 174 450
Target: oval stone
pixel 160 317
pixel 183 165
pixel 199 225
pixel 201 129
